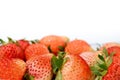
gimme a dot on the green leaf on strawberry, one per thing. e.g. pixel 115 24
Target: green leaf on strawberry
pixel 10 40
pixel 101 67
pixel 28 77
pixel 2 41
pixel 61 48
pixel 57 63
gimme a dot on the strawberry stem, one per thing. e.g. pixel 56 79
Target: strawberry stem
pixel 2 42
pixel 34 41
pixel 10 40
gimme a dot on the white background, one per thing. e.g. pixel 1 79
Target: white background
pixel 96 21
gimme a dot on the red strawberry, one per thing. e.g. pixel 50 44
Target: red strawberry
pixel 75 68
pixel 54 42
pixel 23 43
pixel 77 47
pixel 12 69
pixel 113 70
pixel 108 67
pixel 40 67
pixel 35 49
pixel 11 50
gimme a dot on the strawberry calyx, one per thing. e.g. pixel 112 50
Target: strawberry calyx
pixel 2 42
pixel 57 63
pixel 101 67
pixel 27 76
pixel 61 48
pixel 34 41
pixel 10 40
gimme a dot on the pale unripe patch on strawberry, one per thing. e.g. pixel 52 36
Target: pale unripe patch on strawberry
pixel 40 67
pixel 65 38
pixel 12 69
pixel 90 57
pixel 75 69
pixel 20 63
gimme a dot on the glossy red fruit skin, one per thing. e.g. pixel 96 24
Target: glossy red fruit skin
pixel 12 69
pixel 35 49
pixel 77 47
pixel 115 49
pixel 23 43
pixel 54 42
pixel 76 69
pixel 40 67
pixel 114 69
pixel 113 72
pixel 11 50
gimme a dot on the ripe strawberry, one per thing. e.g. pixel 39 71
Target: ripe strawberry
pixel 108 67
pixel 11 50
pixel 23 43
pixel 77 47
pixel 113 72
pixel 75 68
pixel 40 67
pixel 12 69
pixel 90 57
pixel 35 49
pixel 53 42
pixel 114 69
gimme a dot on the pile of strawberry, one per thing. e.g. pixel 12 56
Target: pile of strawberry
pixel 56 57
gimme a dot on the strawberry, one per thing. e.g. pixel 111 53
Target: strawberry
pixel 11 50
pixel 54 43
pixel 113 70
pixel 75 68
pixel 12 69
pixel 71 67
pixel 35 49
pixel 77 47
pixel 23 43
pixel 40 67
pixel 90 57
pixel 108 65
